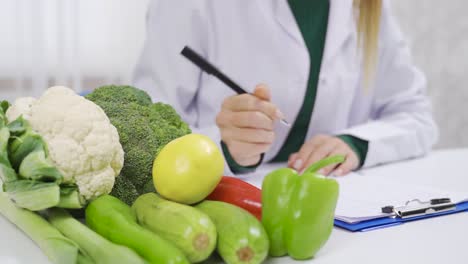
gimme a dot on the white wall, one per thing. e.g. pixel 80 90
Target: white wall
pixel 39 47
pixel 438 34
pixel 76 43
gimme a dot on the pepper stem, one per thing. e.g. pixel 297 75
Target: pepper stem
pixel 324 163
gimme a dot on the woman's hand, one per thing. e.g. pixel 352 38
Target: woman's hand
pixel 246 125
pixel 322 146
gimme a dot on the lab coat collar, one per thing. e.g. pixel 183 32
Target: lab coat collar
pixel 340 24
pixel 285 18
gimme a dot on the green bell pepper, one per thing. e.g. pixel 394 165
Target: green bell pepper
pixel 298 210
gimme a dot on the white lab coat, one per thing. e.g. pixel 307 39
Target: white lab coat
pixel 258 41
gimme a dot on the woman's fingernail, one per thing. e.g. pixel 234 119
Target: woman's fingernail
pixel 339 172
pixel 298 164
pixel 322 171
pixel 279 114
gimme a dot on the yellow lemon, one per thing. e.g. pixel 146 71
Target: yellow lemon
pixel 188 169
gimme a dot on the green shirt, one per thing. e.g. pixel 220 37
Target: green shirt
pixel 312 18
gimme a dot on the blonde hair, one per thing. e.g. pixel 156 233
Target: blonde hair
pixel 368 25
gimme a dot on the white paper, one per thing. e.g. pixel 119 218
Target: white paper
pixel 362 196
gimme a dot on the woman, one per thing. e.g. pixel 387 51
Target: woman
pixel 338 70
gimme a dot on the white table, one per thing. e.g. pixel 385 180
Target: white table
pixel 436 240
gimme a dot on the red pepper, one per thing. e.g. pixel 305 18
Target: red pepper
pixel 240 193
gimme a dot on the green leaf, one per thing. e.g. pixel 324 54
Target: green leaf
pixel 66 189
pixel 3 108
pixel 18 126
pixel 3 120
pixel 7 174
pixel 4 137
pixel 84 259
pixel 36 166
pixel 4 105
pixel 31 195
pixel 22 146
pixel 70 197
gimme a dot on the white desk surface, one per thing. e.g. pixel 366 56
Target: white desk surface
pixel 435 240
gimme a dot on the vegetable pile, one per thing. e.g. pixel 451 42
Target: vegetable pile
pixel 58 150
pixel 144 128
pixel 152 192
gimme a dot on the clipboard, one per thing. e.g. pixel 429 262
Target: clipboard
pixel 403 214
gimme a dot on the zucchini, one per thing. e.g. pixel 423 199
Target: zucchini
pixel 190 230
pixel 241 237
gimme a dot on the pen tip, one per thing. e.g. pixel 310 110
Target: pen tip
pixel 286 123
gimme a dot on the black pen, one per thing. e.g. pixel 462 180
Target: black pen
pixel 210 69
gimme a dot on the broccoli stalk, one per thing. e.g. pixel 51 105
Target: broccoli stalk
pixel 144 128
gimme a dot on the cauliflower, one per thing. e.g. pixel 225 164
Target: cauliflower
pixel 22 107
pixel 82 143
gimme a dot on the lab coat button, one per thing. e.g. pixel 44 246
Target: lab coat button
pixel 323 80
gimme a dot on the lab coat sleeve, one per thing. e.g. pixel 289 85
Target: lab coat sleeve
pixel 166 75
pixel 402 124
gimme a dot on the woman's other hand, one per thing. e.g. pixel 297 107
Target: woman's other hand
pixel 246 124
pixel 322 146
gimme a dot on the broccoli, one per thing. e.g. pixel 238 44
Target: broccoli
pixel 144 128
pixel 115 94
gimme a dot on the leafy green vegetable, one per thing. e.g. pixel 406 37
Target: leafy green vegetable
pixel 58 249
pixel 144 128
pixel 36 166
pixel 30 178
pixel 7 173
pixel 83 259
pixel 70 197
pixel 4 105
pixel 18 126
pixel 22 146
pixel 97 248
pixel 32 195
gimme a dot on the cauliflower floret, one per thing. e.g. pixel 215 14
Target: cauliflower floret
pixel 83 144
pixel 22 106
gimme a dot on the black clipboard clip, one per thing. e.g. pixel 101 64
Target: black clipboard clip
pixel 417 207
